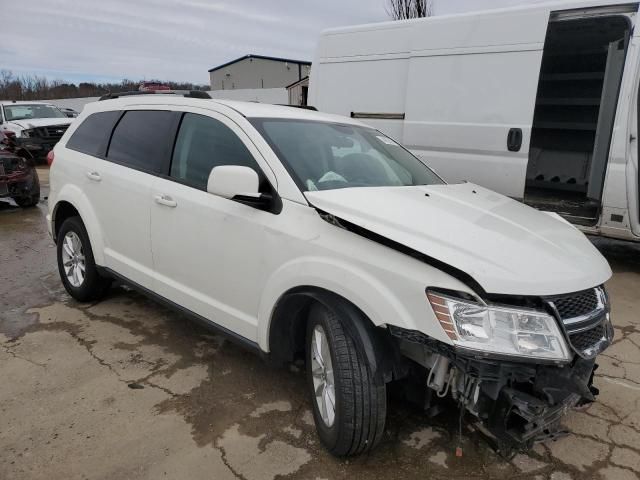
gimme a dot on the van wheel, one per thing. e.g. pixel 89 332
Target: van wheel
pixel 349 408
pixel 76 265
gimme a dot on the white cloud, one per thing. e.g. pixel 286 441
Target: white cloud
pixel 174 40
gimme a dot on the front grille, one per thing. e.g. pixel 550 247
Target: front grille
pixel 577 304
pixel 583 341
pixel 53 132
pixel 585 319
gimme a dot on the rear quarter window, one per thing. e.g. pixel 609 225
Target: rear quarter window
pixel 143 139
pixel 92 136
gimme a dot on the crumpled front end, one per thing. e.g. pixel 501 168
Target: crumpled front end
pixel 17 176
pixel 519 401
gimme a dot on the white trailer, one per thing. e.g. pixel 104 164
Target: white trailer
pixel 539 102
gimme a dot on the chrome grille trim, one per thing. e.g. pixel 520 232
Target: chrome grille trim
pixel 584 317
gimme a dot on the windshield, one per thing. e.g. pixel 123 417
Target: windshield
pixel 328 156
pixel 23 111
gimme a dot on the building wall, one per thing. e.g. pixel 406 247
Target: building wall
pixel 262 95
pixel 296 93
pixel 257 73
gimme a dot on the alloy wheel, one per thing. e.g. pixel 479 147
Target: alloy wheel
pixel 322 374
pixel 73 259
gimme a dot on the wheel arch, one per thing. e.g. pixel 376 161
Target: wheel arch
pixel 71 201
pixel 288 322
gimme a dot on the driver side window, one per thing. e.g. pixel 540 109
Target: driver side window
pixel 202 144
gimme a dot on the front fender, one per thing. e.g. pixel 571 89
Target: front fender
pixel 75 196
pixel 359 287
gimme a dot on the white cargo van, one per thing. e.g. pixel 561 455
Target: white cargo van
pixel 539 102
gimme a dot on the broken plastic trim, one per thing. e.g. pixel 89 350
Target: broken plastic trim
pixel 399 247
pixel 519 402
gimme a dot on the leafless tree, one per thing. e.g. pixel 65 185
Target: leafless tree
pixel 404 9
pixel 33 87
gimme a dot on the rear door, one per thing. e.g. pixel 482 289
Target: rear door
pixel 119 188
pixel 471 95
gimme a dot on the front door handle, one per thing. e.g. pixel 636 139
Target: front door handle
pixel 94 176
pixel 166 200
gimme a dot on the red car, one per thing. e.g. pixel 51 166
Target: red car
pixel 18 176
pixel 152 87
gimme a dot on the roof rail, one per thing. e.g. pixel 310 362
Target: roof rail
pixel 304 107
pixel 184 93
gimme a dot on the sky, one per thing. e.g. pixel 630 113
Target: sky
pixel 108 40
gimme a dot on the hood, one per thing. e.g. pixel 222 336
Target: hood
pixel 504 245
pixel 40 122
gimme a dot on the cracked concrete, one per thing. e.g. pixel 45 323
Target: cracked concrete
pixel 128 389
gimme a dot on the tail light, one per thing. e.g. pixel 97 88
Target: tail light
pixel 50 157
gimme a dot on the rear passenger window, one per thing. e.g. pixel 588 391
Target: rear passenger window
pixel 142 140
pixel 204 143
pixel 92 136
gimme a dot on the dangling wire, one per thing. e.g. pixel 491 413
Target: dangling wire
pixel 459 447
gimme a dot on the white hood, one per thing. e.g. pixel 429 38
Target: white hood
pixel 41 122
pixel 506 246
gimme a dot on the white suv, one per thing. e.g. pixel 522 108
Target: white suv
pixel 301 234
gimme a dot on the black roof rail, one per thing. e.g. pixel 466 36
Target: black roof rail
pixel 184 93
pixel 304 107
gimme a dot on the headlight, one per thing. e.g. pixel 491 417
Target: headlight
pixel 22 163
pixel 502 330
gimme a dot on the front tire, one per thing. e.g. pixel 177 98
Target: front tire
pixel 32 199
pixel 76 264
pixel 349 406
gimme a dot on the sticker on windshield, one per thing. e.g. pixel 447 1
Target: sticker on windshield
pixel 386 140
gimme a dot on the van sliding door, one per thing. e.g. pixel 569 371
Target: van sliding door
pixel 580 79
pixel 471 95
pixel 608 102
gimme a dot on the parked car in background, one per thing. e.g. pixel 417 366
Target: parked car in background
pixel 152 87
pixel 18 175
pixel 35 126
pixel 538 102
pixel 307 235
pixel 69 112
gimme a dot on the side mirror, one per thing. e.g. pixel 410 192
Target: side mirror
pixel 229 181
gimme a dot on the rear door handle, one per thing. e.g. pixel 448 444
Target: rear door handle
pixel 166 200
pixel 94 176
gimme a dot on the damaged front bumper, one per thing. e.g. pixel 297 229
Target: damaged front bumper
pixel 530 412
pixel 517 401
pixel 37 146
pixel 16 180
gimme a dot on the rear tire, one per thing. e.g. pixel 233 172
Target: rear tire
pixel 76 264
pixel 360 404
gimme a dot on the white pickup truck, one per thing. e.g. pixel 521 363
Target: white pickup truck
pixel 35 126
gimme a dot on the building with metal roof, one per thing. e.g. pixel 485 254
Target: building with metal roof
pixel 257 72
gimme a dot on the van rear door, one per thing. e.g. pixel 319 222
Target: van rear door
pixel 471 94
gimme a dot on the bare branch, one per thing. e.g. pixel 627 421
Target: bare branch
pixel 405 9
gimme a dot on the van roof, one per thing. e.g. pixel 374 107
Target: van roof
pixel 246 109
pixel 552 6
